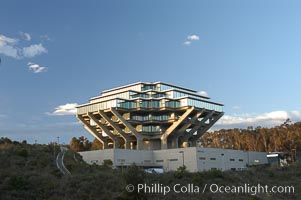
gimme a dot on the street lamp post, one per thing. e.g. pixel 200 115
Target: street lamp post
pixel 182 152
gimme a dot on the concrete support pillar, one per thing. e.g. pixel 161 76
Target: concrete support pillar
pixel 127 144
pixel 105 145
pixel 174 142
pixel 138 136
pixel 139 144
pixel 164 143
pixel 173 127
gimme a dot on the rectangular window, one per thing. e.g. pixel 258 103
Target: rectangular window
pixel 212 158
pixel 173 159
pixel 202 158
pixel 232 159
pixel 240 160
pixel 159 161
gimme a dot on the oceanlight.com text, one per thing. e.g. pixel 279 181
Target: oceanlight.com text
pixel 158 188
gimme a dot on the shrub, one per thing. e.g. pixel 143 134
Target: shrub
pixel 108 163
pixel 22 152
pixel 180 171
pixel 133 175
pixel 17 182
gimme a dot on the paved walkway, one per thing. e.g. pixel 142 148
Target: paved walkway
pixel 60 161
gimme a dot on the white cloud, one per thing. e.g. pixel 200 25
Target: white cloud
pixel 7 46
pixel 7 39
pixel 36 68
pixel 10 47
pixel 66 109
pixel 193 37
pixel 203 93
pixel 187 43
pixel 34 50
pixel 235 107
pixel 45 37
pixel 25 36
pixel 269 119
pixel 190 39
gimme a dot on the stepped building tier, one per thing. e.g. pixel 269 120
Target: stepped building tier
pixel 149 116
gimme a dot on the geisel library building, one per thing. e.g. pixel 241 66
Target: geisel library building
pixel 157 125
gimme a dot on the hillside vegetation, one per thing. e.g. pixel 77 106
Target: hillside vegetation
pixel 286 137
pixel 29 172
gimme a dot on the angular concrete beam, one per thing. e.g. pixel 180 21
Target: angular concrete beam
pixel 173 127
pixel 189 134
pixel 101 139
pixel 138 136
pixel 93 131
pixel 201 132
pixel 127 139
pixel 104 128
pixel 201 123
pixel 187 125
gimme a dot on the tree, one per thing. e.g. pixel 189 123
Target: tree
pixel 96 145
pixel 80 144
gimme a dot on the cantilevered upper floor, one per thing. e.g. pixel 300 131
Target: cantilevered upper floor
pixel 149 95
pixel 148 115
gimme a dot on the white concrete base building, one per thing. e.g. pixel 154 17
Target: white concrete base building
pixel 194 158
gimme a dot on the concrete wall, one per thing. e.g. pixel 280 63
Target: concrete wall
pixel 97 156
pixel 119 157
pixel 256 158
pixel 221 159
pixel 195 158
pixel 171 159
pixel 126 157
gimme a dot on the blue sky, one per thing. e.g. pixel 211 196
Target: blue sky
pixel 54 54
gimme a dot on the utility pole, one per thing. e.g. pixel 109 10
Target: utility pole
pixel 182 152
pixel 54 151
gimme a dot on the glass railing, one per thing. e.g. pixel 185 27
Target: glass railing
pixel 148 105
pixel 150 118
pixel 203 104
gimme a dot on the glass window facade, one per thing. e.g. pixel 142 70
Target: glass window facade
pixel 148 87
pixel 150 104
pixel 203 104
pixel 151 129
pixel 165 87
pixel 172 104
pixel 150 117
pixel 128 104
pixel 140 95
pixel 158 95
